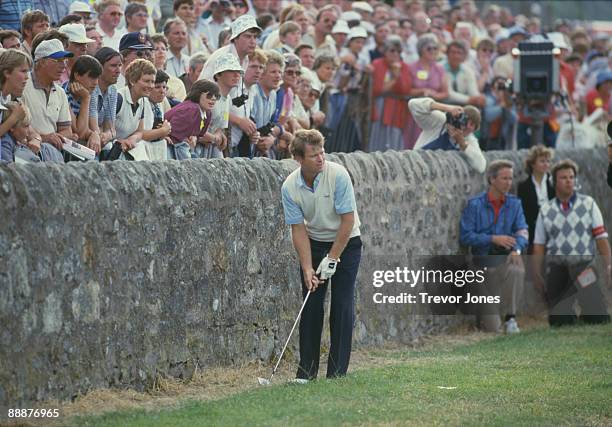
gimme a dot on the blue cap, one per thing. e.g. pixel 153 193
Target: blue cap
pixel 603 76
pixel 517 29
pixel 51 49
pixel 135 40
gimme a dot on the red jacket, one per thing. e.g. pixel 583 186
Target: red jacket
pixel 396 111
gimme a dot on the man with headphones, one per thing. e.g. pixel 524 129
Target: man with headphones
pixel 569 230
pixel 493 226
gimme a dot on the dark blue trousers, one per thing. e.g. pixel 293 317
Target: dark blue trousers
pixel 342 315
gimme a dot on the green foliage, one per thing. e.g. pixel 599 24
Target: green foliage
pixel 541 377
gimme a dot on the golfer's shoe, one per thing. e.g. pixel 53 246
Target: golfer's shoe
pixel 512 326
pixel 299 381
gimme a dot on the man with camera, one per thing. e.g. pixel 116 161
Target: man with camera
pixel 448 127
pixel 498 116
pixel 493 226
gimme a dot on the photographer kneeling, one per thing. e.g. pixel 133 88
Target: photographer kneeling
pixel 448 127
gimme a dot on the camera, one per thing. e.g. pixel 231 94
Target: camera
pixel 505 85
pixel 536 69
pixel 266 129
pixel 459 121
pixel 239 101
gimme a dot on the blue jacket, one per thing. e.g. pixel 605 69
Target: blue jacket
pixel 478 226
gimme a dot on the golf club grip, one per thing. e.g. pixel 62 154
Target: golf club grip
pixel 291 333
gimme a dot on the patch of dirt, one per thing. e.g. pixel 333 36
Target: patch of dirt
pixel 219 382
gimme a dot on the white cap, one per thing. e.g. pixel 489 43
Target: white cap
pixel 362 6
pixel 357 32
pixel 351 15
pixel 311 77
pixel 51 49
pixel 341 27
pixel 80 7
pixel 242 24
pixel 227 62
pixel 368 27
pixel 75 32
pixel 558 40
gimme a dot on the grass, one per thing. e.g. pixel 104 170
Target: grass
pixel 540 377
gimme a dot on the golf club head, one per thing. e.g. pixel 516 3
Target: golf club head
pixel 263 381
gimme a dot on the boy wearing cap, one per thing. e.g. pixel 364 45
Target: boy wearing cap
pixel 46 100
pixel 243 42
pixel 227 75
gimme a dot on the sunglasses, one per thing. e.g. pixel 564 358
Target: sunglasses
pixel 293 73
pixel 313 94
pixel 141 15
pixel 212 96
pixel 431 48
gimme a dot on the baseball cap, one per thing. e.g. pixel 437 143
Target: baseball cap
pixel 516 30
pixel 51 49
pixel 350 15
pixel 502 35
pixel 558 40
pixel 227 62
pixel 79 7
pixel 341 27
pixel 242 24
pixel 75 33
pixel 603 76
pixel 135 40
pixel 357 32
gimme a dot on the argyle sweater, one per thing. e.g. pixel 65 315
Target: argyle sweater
pixel 571 232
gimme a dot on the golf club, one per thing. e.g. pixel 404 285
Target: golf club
pixel 264 381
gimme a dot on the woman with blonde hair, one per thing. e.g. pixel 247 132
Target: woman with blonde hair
pixel 537 188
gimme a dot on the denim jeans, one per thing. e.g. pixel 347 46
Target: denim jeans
pixel 179 151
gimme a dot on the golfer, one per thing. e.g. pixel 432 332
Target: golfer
pixel 319 204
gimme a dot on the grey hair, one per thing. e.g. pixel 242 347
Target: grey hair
pixel 393 42
pixel 495 166
pixel 197 59
pixel 426 40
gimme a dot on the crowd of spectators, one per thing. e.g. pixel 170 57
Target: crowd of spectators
pixel 185 79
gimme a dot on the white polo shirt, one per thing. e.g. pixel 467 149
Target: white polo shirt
pixel 49 110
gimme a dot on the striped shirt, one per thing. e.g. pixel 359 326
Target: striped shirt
pixel 11 12
pixel 103 106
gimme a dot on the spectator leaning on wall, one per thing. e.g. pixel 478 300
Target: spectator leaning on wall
pixel 569 229
pixel 437 134
pixel 493 226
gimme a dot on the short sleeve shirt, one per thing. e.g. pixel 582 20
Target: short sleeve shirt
pixel 49 110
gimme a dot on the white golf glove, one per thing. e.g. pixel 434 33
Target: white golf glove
pixel 327 268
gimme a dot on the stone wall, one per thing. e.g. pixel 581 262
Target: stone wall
pixel 114 273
